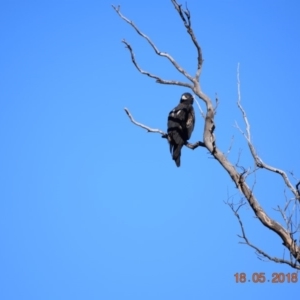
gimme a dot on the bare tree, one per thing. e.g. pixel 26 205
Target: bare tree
pixel 287 234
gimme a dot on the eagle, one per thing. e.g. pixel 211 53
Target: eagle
pixel 181 122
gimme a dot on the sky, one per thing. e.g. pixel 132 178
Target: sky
pixel 92 206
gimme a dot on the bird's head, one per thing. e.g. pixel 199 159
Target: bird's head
pixel 187 98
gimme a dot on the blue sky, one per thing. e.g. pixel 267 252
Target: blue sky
pixel 93 207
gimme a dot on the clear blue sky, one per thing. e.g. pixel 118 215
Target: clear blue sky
pixel 93 207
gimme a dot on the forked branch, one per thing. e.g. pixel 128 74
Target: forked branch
pixel 258 161
pixel 162 54
pixel 185 16
pixel 158 79
pixel 292 263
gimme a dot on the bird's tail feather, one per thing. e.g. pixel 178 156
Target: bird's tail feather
pixel 176 143
pixel 177 154
pixel 177 138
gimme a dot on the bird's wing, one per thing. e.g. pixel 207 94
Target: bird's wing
pixel 190 122
pixel 179 113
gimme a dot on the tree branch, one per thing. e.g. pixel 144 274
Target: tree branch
pixel 200 109
pixel 158 79
pixel 258 161
pixel 163 134
pixel 258 250
pixel 144 126
pixel 186 19
pixel 163 54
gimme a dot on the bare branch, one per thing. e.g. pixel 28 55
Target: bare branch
pixel 163 54
pixel 186 19
pixel 257 159
pixel 200 109
pixel 283 215
pixel 282 174
pixel 163 134
pixel 194 146
pixel 258 250
pixel 144 126
pixel 158 79
pixel 217 104
pixel 230 146
pixel 248 137
pixel 288 202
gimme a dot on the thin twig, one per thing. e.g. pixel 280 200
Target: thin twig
pixel 185 16
pixel 200 109
pixel 217 104
pixel 230 146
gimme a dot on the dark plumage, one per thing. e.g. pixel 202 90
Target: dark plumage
pixel 181 122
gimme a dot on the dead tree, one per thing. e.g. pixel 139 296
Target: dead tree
pixel 209 142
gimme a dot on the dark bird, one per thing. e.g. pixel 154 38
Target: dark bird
pixel 181 122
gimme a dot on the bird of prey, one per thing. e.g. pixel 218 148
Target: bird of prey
pixel 181 122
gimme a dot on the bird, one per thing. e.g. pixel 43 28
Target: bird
pixel 181 122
